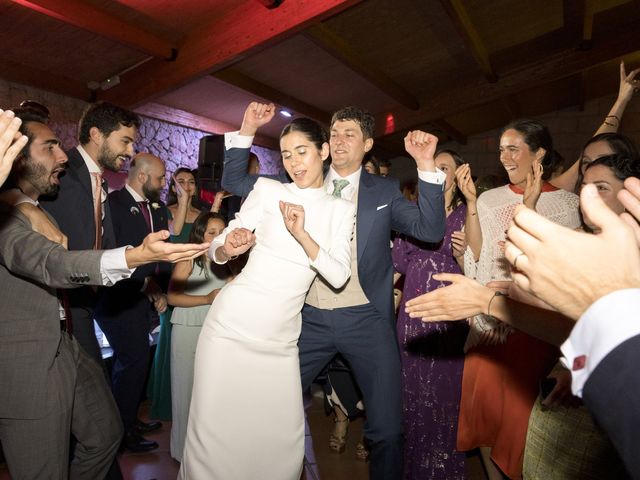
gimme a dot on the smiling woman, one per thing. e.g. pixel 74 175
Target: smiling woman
pixel 502 367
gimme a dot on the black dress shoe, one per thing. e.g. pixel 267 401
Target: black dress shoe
pixel 137 443
pixel 146 427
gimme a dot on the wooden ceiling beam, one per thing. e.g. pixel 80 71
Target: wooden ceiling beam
pixel 333 44
pixel 457 13
pixel 611 40
pixel 185 119
pixel 449 130
pixel 513 106
pixel 219 43
pixel 34 77
pixel 248 84
pixel 83 15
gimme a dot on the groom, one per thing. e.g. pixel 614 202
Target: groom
pixel 358 320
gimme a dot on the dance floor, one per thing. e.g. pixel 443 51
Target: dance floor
pixel 320 462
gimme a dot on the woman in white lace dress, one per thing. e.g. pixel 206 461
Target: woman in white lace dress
pixel 503 366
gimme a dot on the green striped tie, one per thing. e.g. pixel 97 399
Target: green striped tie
pixel 338 186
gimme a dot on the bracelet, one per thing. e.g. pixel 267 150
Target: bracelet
pixel 609 124
pixel 496 294
pixel 613 116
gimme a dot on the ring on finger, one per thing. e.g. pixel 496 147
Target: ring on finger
pixel 515 260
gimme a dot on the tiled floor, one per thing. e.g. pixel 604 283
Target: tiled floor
pixel 320 463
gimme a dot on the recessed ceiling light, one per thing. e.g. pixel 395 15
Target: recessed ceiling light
pixel 286 113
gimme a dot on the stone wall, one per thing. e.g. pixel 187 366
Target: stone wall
pixel 177 146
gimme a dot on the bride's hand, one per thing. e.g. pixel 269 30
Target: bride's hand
pixel 293 216
pixel 238 241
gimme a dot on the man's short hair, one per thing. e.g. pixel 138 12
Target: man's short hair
pixel 107 118
pixel 28 115
pixel 361 117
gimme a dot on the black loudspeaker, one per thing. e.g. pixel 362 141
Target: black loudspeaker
pixel 210 162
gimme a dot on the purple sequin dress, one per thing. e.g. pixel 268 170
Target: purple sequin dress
pixel 432 361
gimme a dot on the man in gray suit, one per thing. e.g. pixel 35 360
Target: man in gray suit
pixel 49 387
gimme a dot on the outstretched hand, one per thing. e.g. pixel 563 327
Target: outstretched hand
pixel 422 147
pixel 592 266
pixel 154 248
pixel 293 216
pixel 11 142
pixel 255 116
pixel 462 299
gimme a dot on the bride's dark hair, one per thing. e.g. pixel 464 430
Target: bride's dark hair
pixel 310 128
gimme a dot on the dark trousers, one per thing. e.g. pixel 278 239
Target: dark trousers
pixel 367 340
pixel 128 335
pixel 80 404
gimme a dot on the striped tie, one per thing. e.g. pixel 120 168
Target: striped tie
pixel 338 186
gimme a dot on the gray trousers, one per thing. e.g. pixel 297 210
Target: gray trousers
pixel 79 402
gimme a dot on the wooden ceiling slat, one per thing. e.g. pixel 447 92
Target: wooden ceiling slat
pixel 96 21
pixel 34 77
pixel 448 129
pixel 463 24
pixel 609 42
pixel 248 84
pixel 219 43
pixel 326 39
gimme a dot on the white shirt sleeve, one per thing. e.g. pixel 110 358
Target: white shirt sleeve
pixel 235 140
pixel 610 321
pixel 113 266
pixel 438 177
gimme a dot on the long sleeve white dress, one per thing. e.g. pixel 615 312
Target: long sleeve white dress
pixel 246 419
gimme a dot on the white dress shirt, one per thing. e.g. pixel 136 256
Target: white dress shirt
pixel 606 324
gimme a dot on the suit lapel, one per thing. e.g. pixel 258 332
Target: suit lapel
pixel 79 169
pixel 367 203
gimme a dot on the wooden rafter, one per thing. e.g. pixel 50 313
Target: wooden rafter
pixel 248 84
pixel 221 42
pixel 19 73
pixel 461 20
pixel 449 130
pixel 204 124
pixel 611 41
pixel 326 39
pixel 87 17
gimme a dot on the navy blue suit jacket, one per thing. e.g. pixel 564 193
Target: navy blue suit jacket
pixel 72 207
pixel 381 209
pixel 612 395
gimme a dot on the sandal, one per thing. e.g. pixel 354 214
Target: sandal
pixel 338 439
pixel 362 453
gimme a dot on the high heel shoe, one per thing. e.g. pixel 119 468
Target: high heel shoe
pixel 338 439
pixel 362 452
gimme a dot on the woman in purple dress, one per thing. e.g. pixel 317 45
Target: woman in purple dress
pixel 432 356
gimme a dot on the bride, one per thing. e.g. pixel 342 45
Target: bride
pixel 246 419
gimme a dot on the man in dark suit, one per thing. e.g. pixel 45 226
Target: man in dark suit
pixel 106 134
pixel 49 387
pixel 123 312
pixel 358 320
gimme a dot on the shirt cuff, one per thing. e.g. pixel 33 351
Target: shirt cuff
pixel 235 140
pixel 113 266
pixel 607 323
pixel 438 177
pixel 212 253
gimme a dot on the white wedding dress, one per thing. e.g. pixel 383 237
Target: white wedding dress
pixel 246 419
